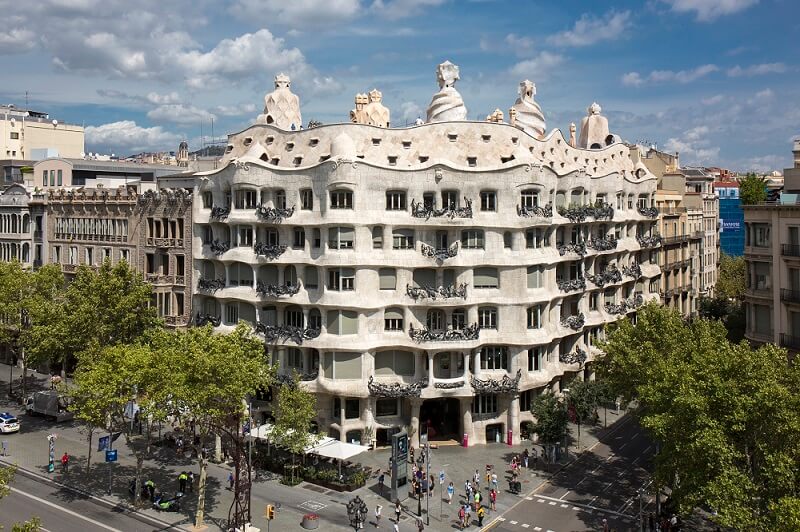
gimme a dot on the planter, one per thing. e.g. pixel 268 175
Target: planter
pixel 310 522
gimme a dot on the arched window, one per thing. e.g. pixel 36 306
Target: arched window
pixel 435 320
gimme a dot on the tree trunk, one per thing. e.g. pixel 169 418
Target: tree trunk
pixel 24 375
pixel 579 436
pixel 139 467
pixel 201 493
pixel 89 456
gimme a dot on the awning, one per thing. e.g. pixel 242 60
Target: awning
pixel 336 449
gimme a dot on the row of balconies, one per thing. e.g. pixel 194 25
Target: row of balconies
pixel 164 242
pixel 673 265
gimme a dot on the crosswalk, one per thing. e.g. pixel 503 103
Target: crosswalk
pixel 539 499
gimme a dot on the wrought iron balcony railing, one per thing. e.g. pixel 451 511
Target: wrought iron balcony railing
pixel 273 215
pixel 610 275
pixel 201 319
pixel 443 292
pixel 535 212
pixel 491 386
pixel 276 290
pixel 219 213
pixel 286 333
pixel 573 357
pixel 790 296
pixel 570 285
pixel 420 210
pixel 650 212
pixel 269 251
pixel 578 213
pixel 395 389
pixel 574 322
pixel 790 250
pixel 470 332
pixel 791 342
pixel 647 241
pixel 210 285
pixel 218 247
pixel 634 270
pixel 605 243
pixel 439 253
pixel 579 248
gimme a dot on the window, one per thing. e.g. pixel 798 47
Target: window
pixel 90 256
pixel 280 197
pixel 761 279
pixel 424 277
pixel 535 274
pixel 208 199
pixel 535 359
pixel 311 278
pixel 535 317
pixel 306 199
pixel 535 238
pixel 484 404
pixel 341 279
pixel 293 316
pixel 391 363
pixel 393 319
pixel 125 254
pixel 232 313
pixel 52 178
pixel 60 179
pixel 403 239
pixel 44 178
pixel 342 322
pixel 341 199
pixel 485 278
pixel 761 235
pixel 507 240
pixel 299 240
pixel 494 357
pixel 593 301
pixel 529 198
pixel 106 254
pixel 245 233
pixel 763 319
pixel 377 237
pixel 630 201
pixel 14 135
pixel 472 239
pixel 488 200
pixel 487 317
pixel 386 407
pixel 429 200
pixel 294 358
pixel 387 278
pixel 341 237
pixel 290 276
pixel 395 200
pixel 317 240
pixel 458 319
pixel 449 199
pixel 245 199
pixel 435 320
pixel 342 365
pixel 73 255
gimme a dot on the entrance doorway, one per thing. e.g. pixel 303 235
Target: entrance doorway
pixel 494 433
pixel 443 418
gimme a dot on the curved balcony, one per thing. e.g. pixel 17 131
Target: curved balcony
pixel 579 213
pixel 575 323
pixel 218 247
pixel 286 333
pixel 439 254
pixel 468 333
pixel 625 305
pixel 535 212
pixel 443 292
pixel 578 248
pixel 647 241
pixel 201 319
pixel 276 290
pixel 649 212
pixel 570 285
pixel 269 251
pixel 273 215
pixel 492 386
pixel 573 357
pixel 606 243
pixel 219 213
pixel 395 389
pixel 210 285
pixel 610 275
pixel 634 270
pixel 420 210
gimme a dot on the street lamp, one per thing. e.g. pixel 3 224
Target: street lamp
pixel 357 512
pixel 420 463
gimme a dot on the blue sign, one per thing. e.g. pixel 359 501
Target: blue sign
pixel 102 443
pixel 441 477
pixel 111 455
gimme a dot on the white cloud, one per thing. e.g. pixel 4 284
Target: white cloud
pixel 713 100
pixel 634 79
pixel 694 146
pixel 236 110
pixel 537 67
pixel 410 112
pixel 708 10
pixel 394 9
pixel 321 85
pixel 17 41
pixel 757 70
pixel 161 99
pixel 303 13
pixel 126 137
pixel 179 114
pixel 589 30
pixel 519 43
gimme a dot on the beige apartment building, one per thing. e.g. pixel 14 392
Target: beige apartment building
pixel 33 135
pixel 772 253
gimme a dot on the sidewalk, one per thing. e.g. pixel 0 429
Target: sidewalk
pixel 29 450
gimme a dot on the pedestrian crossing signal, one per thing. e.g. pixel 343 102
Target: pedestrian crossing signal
pixel 270 514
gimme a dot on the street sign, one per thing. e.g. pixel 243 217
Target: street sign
pixel 111 455
pixel 102 443
pixel 441 477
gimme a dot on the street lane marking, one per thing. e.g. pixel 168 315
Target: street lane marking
pixel 575 508
pixel 526 525
pixel 528 498
pixel 565 505
pixel 513 522
pixel 552 503
pixel 623 445
pixel 562 497
pixel 537 528
pixel 596 468
pixel 607 486
pixel 587 506
pixel 540 500
pixel 593 499
pixel 57 507
pixel 579 482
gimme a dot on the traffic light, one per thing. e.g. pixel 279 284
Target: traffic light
pixel 270 512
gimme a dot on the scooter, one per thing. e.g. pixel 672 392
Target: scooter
pixel 168 505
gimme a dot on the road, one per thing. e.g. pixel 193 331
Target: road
pixel 62 510
pixel 603 484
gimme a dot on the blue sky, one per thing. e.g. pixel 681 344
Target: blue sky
pixel 716 80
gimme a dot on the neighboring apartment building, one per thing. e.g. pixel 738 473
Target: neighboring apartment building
pixel 441 275
pixel 32 135
pixel 772 252
pixel 731 218
pixel 60 172
pixel 15 226
pixel 700 184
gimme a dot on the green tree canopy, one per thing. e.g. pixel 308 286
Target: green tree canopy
pixel 752 189
pixel 297 409
pixel 584 397
pixel 732 276
pixel 551 418
pixel 725 415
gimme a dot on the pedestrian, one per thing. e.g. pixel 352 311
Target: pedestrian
pixel 420 525
pixel 182 478
pixel 478 499
pixel 525 457
pixel 450 492
pixel 431 484
pixel 395 527
pixel 462 517
pixel 535 458
pixel 398 509
pixel 605 525
pixel 468 511
pixel 381 479
pixel 150 486
pixel 481 515
pixel 378 516
pixel 411 455
pixel 488 474
pixel 191 482
pixel 65 463
pixel 468 490
pixel 493 499
pixel 476 478
pixel 230 481
pixel 494 480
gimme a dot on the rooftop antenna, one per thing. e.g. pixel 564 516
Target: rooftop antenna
pixel 26 99
pixel 213 140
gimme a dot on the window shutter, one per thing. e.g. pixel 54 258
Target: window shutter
pixel 388 278
pixel 485 278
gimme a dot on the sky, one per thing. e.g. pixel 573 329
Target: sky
pixel 716 80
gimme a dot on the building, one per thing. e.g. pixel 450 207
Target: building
pixel 441 275
pixel 85 172
pixel 731 218
pixel 32 135
pixel 15 226
pixel 700 187
pixel 772 253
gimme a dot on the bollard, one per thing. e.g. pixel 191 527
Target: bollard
pixel 5 448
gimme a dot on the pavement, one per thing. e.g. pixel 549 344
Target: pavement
pixel 28 450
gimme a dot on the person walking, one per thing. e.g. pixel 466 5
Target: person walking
pixel 65 463
pixel 431 484
pixel 525 457
pixel 493 499
pixel 478 499
pixel 381 479
pixel 182 478
pixel 230 481
pixel 468 490
pixel 481 514
pixel 450 492
pixel 395 527
pixel 420 525
pixel 494 481
pixel 378 516
pixel 476 478
pixel 398 509
pixel 468 511
pixel 191 482
pixel 462 517
pixel 150 486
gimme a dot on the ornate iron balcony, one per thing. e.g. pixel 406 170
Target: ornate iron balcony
pixel 578 248
pixel 219 213
pixel 439 253
pixel 170 195
pixel 287 379
pixel 650 212
pixel 210 285
pixel 625 305
pixel 395 389
pixel 574 322
pixel 610 275
pixel 444 292
pixel 605 243
pixel 647 241
pixel 578 213
pixel 535 212
pixel 504 385
pixel 449 385
pixel 470 332
pixel 273 215
pixel 286 333
pixel 575 357
pixel 219 247
pixel 269 251
pixel 420 210
pixel 570 285
pixel 634 270
pixel 276 290
pixel 201 319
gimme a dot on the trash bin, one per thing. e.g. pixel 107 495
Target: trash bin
pixel 510 437
pixel 465 440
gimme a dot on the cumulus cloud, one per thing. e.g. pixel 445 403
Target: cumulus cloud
pixel 589 30
pixel 519 43
pixel 301 13
pixel 236 110
pixel 708 10
pixel 395 9
pixel 694 146
pixel 537 67
pixel 150 98
pixel 757 70
pixel 127 137
pixel 634 79
pixel 410 111
pixel 17 41
pixel 178 113
pixel 713 100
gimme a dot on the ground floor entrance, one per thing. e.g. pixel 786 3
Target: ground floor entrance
pixel 442 417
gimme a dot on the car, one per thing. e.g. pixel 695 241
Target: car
pixel 8 423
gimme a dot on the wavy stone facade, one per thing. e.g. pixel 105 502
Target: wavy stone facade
pixel 442 274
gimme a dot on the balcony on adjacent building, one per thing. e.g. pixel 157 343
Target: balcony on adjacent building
pixel 790 296
pixel 790 342
pixel 790 250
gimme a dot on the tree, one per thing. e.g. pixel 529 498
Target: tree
pixel 583 398
pixel 6 476
pixel 732 276
pixel 551 419
pixel 210 376
pixel 725 415
pixel 297 409
pixel 726 305
pixel 752 189
pixel 104 307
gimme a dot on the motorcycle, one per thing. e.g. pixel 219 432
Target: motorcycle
pixel 168 505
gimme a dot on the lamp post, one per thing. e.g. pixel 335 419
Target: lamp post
pixel 357 513
pixel 420 462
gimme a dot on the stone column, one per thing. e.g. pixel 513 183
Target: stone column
pixel 466 418
pixel 476 363
pixel 416 403
pixel 342 431
pixel 513 419
pixel 430 369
